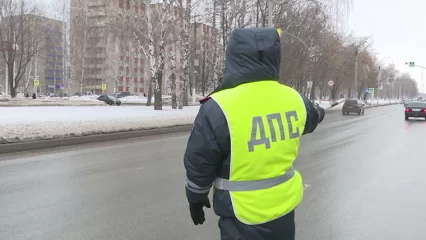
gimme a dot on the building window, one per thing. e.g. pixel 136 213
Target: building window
pixel 128 5
pixel 136 9
pixel 142 70
pixel 135 89
pixel 121 79
pixel 127 89
pixel 127 79
pixel 142 61
pixel 136 69
pixel 127 69
pixel 121 68
pixel 120 88
pixel 127 59
pixel 141 90
pixel 141 80
pixel 121 57
pixel 135 80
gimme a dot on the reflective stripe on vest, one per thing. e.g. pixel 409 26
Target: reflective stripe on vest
pixel 224 184
pixel 266 120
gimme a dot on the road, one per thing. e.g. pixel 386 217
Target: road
pixel 364 179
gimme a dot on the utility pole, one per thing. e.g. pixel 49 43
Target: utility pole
pixel 270 5
pixel 356 73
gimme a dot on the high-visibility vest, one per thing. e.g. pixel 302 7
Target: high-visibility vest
pixel 266 120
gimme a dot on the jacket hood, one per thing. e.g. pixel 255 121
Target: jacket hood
pixel 252 54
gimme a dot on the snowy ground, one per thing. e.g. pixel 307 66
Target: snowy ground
pixel 369 103
pixel 36 123
pixel 89 100
pixel 19 124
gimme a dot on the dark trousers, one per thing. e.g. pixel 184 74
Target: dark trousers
pixel 282 228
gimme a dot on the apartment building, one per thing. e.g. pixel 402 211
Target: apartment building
pixel 102 52
pixel 47 66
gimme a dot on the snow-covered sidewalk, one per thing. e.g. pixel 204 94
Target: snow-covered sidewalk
pixel 89 100
pixel 39 123
pixel 18 124
pixel 368 103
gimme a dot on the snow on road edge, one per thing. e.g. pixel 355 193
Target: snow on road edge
pixel 12 133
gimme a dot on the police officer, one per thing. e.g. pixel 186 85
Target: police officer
pixel 245 140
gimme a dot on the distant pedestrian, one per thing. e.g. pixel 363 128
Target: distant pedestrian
pixel 34 95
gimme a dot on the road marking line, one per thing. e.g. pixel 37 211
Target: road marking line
pixel 306 186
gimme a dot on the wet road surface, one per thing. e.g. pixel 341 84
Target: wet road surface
pixel 364 179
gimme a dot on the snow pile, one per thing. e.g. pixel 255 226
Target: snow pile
pixel 327 104
pixel 21 101
pixel 370 103
pixel 41 123
pixel 143 100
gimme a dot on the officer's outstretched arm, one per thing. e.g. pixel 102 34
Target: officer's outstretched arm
pixel 315 115
pixel 203 153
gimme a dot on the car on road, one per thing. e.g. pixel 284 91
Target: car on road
pixel 353 106
pixel 415 109
pixel 109 99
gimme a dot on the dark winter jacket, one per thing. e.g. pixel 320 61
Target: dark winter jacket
pixel 252 55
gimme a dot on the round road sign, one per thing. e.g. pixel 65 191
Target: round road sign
pixel 330 83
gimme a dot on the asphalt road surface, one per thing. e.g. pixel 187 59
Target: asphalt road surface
pixel 364 176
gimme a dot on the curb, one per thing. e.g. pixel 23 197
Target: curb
pixel 366 107
pixel 61 142
pixel 69 141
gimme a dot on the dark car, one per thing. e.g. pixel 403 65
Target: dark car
pixel 109 99
pixel 415 109
pixel 353 106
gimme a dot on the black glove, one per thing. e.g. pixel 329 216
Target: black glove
pixel 197 212
pixel 320 111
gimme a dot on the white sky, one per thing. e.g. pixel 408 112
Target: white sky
pixel 398 30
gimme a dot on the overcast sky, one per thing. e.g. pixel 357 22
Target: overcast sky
pixel 398 29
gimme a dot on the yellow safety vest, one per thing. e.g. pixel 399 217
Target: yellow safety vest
pixel 266 120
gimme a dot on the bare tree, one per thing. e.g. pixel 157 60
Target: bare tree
pixel 21 39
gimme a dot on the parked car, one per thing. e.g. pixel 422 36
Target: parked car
pixel 353 106
pixel 109 99
pixel 415 109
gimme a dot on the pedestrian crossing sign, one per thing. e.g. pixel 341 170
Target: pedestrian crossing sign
pixel 36 83
pixel 103 87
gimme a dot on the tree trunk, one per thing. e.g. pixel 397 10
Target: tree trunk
pixel 11 79
pixel 149 100
pixel 158 99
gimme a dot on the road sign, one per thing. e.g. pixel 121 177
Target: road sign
pixel 309 84
pixel 411 64
pixel 103 87
pixel 36 82
pixel 62 85
pixel 330 83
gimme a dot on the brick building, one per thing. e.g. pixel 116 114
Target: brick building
pixel 102 52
